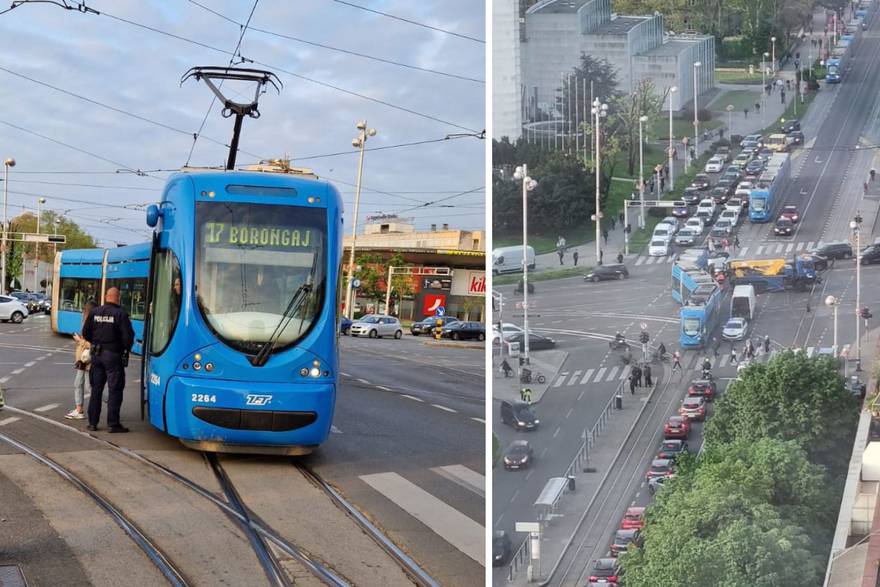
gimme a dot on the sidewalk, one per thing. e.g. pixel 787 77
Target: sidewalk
pixel 741 124
pixel 547 363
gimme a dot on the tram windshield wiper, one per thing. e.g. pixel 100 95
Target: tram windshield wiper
pixel 299 297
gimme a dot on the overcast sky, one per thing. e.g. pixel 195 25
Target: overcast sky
pixel 124 66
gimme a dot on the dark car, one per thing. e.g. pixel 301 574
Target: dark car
pixel 606 571
pixel 835 250
pixel 702 387
pixel 820 263
pixel 536 341
pixel 670 449
pixel 604 273
pixel 720 233
pixel 797 137
pixel 345 325
pixel 784 227
pixel 519 415
pixel 500 547
pixel 720 194
pixel 660 468
pixel 680 209
pixel 755 166
pixel 791 212
pixel 30 300
pixel 45 302
pixel 691 196
pixel 764 154
pixel 701 182
pixel 623 538
pixel 791 125
pixel 461 330
pixel 426 325
pixel 871 255
pixel 518 455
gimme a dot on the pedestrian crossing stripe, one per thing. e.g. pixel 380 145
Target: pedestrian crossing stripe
pixel 615 373
pixel 654 260
pixel 600 373
pixel 574 377
pixel 587 376
pixel 612 373
pixel 561 379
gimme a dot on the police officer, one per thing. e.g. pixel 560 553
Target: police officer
pixel 108 329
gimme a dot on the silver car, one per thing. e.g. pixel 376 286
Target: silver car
pixel 735 329
pixel 12 310
pixel 376 325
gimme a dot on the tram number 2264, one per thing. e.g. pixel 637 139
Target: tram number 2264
pixel 204 398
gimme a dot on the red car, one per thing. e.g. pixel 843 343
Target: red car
pixel 791 212
pixel 660 468
pixel 702 387
pixel 677 427
pixel 633 518
pixel 693 408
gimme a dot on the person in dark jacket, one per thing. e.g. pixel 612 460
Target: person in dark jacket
pixel 108 329
pixel 647 374
pixel 637 374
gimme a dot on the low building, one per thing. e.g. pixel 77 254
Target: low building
pixel 460 286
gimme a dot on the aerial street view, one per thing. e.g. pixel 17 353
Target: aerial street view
pixel 686 219
pixel 242 293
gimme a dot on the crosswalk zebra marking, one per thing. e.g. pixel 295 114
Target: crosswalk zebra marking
pixel 624 373
pixel 788 248
pixel 600 373
pixel 799 247
pixel 574 377
pixel 743 251
pixel 612 373
pixel 587 375
pixel 463 476
pixel 561 379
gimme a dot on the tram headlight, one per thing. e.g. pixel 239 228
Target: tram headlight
pixel 209 366
pixel 197 366
pixel 304 371
pixel 315 372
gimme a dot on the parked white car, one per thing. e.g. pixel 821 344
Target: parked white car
pixel 12 310
pixel 695 223
pixel 663 231
pixel 376 325
pixel 659 247
pixel 714 165
pixel 731 214
pixel 507 330
pixel 707 205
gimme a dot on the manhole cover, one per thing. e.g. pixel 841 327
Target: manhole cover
pixel 11 576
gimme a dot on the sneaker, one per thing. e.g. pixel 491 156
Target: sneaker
pixel 92 428
pixel 117 430
pixel 74 415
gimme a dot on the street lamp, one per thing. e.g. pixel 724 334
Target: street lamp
pixel 40 202
pixel 642 120
pixel 599 111
pixel 729 109
pixel 672 90
pixel 764 56
pixel 773 42
pixel 359 142
pixel 697 65
pixel 522 173
pixel 855 226
pixel 10 162
pixel 833 302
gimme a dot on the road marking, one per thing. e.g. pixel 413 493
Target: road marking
pixel 723 361
pixel 412 397
pixel 600 373
pixel 529 474
pixel 624 373
pixel 344 374
pixel 570 410
pixel 64 363
pixel 335 430
pixel 467 478
pixel 789 247
pixel 17 371
pixel 800 246
pixel 46 408
pixel 561 379
pixel 543 452
pixel 810 351
pixel 444 408
pixel 5 379
pixel 760 250
pixel 514 496
pixel 30 364
pixel 612 373
pixel 556 432
pixel 574 377
pixel 364 381
pixel 383 388
pixel 480 420
pixel 9 420
pixel 640 261
pixel 586 376
pixel 743 251
pixel 581 394
pixel 811 245
pixel 453 526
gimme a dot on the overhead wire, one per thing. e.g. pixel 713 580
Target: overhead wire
pixel 413 22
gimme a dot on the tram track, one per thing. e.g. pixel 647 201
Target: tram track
pixel 261 536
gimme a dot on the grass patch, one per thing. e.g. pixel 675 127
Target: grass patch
pixel 496 449
pixel 789 113
pixel 542 275
pixel 545 242
pixel 659 129
pixel 738 76
pixel 738 98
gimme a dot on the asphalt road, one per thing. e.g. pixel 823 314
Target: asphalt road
pixel 410 418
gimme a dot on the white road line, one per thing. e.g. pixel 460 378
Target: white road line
pixel 669 259
pixel 567 414
pixel 5 379
pixel 810 351
pixel 581 394
pixel 624 373
pixel 560 380
pixel 789 247
pixel 30 364
pixel 444 408
pixel 46 408
pixel 811 245
pixel 800 246
pixel 640 261
pixel 600 373
pixel 760 250
pixel 574 377
pixel 450 524
pixel 383 388
pixel 17 371
pixel 412 397
pixel 9 420
pixel 612 373
pixel 586 376
pixel 364 381
pixel 64 363
pixel 344 374
pixel 480 420
pixel 723 361
pixel 556 432
pixel 743 251
pixel 461 475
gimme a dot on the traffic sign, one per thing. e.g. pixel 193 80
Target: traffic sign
pixel 355 283
pixel 644 325
pixel 33 237
pixel 440 311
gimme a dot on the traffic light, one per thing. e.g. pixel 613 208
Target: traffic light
pixel 643 337
pixel 865 313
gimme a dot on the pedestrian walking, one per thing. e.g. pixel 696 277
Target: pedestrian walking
pixel 767 344
pixel 750 350
pixel 788 84
pixel 733 359
pixel 506 369
pixel 676 361
pixel 735 241
pixel 575 257
pixel 561 254
pixel 746 111
pixel 527 395
pixel 782 96
pixel 716 346
pixel 108 330
pixel 601 254
pixel 662 183
pixel 605 236
pixel 637 373
pixel 613 222
pixel 632 384
pixel 648 381
pixel 757 107
pixel 620 257
pixel 621 218
pixel 81 365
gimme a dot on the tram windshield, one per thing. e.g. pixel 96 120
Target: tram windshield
pixel 251 259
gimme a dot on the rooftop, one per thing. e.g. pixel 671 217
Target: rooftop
pixel 620 25
pixel 671 47
pixel 556 7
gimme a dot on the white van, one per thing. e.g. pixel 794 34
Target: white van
pixel 742 302
pixel 509 259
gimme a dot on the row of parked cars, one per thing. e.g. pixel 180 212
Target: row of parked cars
pixel 381 325
pixel 18 305
pixel 606 571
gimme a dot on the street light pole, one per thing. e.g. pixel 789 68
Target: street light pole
pixel 855 226
pixel 697 64
pixel 764 56
pixel 642 120
pixel 833 302
pixel 361 142
pixel 773 41
pixel 522 173
pixel 10 162
pixel 729 122
pixel 40 202
pixel 671 162
pixel 599 110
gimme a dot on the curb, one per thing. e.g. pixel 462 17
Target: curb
pixel 602 483
pixel 454 345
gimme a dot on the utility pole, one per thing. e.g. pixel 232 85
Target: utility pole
pixel 360 142
pixel 10 162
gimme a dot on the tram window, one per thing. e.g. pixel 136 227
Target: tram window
pixel 132 295
pixel 166 301
pixel 75 292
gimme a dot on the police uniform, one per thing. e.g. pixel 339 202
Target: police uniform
pixel 108 329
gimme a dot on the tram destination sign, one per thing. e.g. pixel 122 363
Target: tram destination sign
pixel 274 237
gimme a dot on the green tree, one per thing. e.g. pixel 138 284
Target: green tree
pixel 368 270
pixel 791 397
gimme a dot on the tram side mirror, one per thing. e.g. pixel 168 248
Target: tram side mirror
pixel 153 214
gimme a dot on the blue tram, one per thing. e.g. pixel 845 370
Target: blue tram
pixel 699 316
pixel 86 274
pixel 240 350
